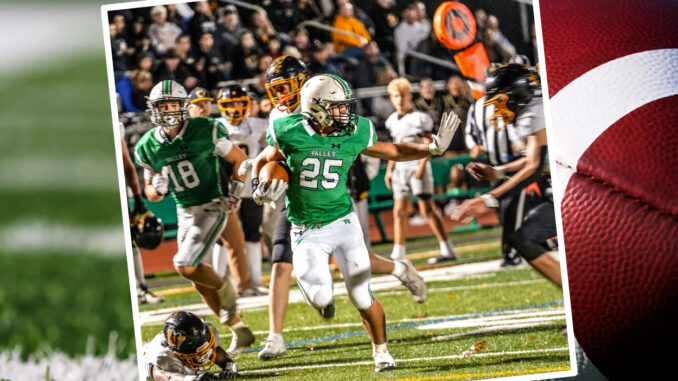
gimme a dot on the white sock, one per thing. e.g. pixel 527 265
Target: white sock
pixel 379 348
pixel 398 251
pixel 237 325
pixel 446 248
pixel 275 336
pixel 220 260
pixel 398 269
pixel 253 252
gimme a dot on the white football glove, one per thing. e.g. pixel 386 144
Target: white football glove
pixel 160 183
pixel 263 194
pixel 448 126
pixel 245 166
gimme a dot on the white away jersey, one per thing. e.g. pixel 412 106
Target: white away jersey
pixel 409 128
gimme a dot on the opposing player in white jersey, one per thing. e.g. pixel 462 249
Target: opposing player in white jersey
pixel 185 151
pixel 247 133
pixel 284 79
pixel 412 178
pixel 319 145
pixel 187 349
pixel 511 89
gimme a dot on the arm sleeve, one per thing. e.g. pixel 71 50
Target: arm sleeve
pixel 373 135
pixel 141 158
pixel 222 146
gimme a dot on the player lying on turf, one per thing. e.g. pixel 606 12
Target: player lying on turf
pixel 284 79
pixel 511 90
pixel 187 349
pixel 319 146
pixel 185 151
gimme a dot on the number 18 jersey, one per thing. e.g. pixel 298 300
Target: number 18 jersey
pixel 189 160
pixel 317 191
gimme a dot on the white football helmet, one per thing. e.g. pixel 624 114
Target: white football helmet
pixel 168 90
pixel 328 101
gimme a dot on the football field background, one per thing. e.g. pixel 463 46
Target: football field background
pixel 479 322
pixel 65 310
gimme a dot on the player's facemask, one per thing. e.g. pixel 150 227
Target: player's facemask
pixel 501 111
pixel 340 116
pixel 169 119
pixel 231 110
pixel 203 357
pixel 288 88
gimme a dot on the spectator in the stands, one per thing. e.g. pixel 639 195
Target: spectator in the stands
pixel 203 21
pixel 273 47
pixel 370 66
pixel 121 53
pixel 178 13
pixel 265 107
pixel 138 35
pixel 428 101
pixel 498 47
pixel 481 20
pixel 133 89
pixel 301 41
pixel 459 100
pixel 384 15
pixel 172 68
pixel 228 32
pixel 208 62
pixel 408 34
pixel 163 33
pixel 281 13
pixel 324 62
pixel 146 63
pixel 422 16
pixel 360 14
pixel 290 50
pixel 187 55
pixel 262 28
pixel 123 31
pixel 345 20
pixel 247 55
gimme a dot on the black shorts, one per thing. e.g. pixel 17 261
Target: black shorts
pixel 282 243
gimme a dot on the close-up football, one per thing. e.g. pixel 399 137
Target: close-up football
pixel 612 72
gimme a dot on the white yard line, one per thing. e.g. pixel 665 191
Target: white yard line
pixel 510 317
pixel 39 236
pixel 449 357
pixel 379 283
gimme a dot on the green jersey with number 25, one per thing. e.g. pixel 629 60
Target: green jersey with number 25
pixel 317 191
pixel 189 160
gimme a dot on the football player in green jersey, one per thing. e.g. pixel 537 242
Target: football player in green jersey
pixel 319 146
pixel 185 151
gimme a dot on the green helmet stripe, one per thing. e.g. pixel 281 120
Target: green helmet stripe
pixel 347 90
pixel 166 86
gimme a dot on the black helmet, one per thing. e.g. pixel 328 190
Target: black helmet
pixel 228 96
pixel 510 88
pixel 147 231
pixel 190 339
pixel 285 76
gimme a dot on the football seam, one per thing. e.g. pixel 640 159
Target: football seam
pixel 614 188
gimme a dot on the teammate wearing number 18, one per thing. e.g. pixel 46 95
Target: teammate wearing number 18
pixel 185 151
pixel 319 146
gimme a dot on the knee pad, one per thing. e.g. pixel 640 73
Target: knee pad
pixel 317 296
pixel 358 287
pixel 527 248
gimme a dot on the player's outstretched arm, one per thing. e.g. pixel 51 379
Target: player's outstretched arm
pixel 237 157
pixel 413 151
